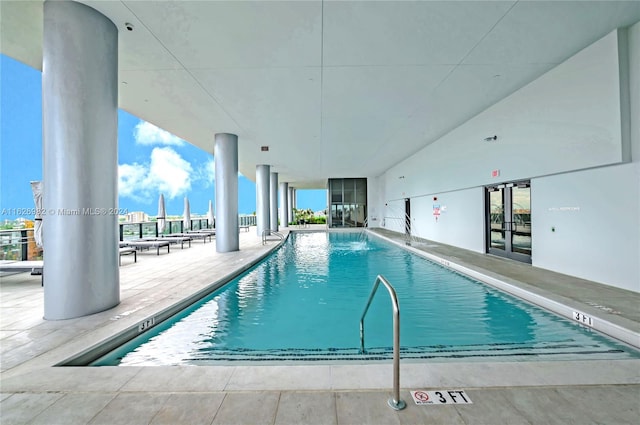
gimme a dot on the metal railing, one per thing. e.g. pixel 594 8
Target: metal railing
pixel 19 245
pixel 247 220
pixel 268 232
pixel 395 402
pixel 147 229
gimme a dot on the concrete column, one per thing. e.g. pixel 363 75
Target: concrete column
pixel 290 204
pixel 263 222
pixel 284 204
pixel 80 161
pixel 273 202
pixel 226 160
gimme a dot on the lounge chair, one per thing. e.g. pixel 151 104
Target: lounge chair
pixel 141 244
pixel 127 250
pixel 172 239
pixel 195 235
pixel 34 266
pixel 210 232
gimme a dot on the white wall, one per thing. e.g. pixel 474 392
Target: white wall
pixel 564 132
pixel 567 119
pixel 461 214
pixel 375 191
pixel 393 215
pixel 634 89
pixel 596 218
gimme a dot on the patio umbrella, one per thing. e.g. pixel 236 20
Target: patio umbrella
pixel 36 188
pixel 210 215
pixel 186 219
pixel 161 215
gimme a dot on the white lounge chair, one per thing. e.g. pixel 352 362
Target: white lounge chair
pixel 172 239
pixel 127 250
pixel 35 266
pixel 141 244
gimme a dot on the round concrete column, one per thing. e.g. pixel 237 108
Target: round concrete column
pixel 284 204
pixel 295 198
pixel 80 161
pixel 262 198
pixel 273 202
pixel 290 204
pixel 226 161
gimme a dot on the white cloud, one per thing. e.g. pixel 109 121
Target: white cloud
pixel 166 173
pixel 205 173
pixel 130 178
pixel 210 171
pixel 169 172
pixel 148 134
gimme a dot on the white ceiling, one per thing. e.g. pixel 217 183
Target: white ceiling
pixel 334 88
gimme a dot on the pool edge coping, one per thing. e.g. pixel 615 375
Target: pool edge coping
pixel 613 330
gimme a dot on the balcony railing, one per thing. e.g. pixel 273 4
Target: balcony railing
pixel 20 245
pixel 150 228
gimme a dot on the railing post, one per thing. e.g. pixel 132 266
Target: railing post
pixel 24 245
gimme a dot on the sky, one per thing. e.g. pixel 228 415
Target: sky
pixel 150 160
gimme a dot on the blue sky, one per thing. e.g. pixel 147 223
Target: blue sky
pixel 150 160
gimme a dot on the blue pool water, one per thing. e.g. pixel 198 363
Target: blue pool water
pixel 304 302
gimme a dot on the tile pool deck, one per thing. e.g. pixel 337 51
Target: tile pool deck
pixel 32 391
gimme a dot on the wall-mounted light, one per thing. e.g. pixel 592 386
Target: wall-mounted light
pixel 491 139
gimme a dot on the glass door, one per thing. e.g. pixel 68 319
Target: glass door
pixel 508 220
pixel 496 227
pixel 407 216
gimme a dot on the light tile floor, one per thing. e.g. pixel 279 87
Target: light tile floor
pixel 34 392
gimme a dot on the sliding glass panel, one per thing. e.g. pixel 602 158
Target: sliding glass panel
pixel 496 221
pixel 521 219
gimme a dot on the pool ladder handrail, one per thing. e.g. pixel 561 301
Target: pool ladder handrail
pixel 395 402
pixel 268 232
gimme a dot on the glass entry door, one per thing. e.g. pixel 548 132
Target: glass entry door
pixel 508 218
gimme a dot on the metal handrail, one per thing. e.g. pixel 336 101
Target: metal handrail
pixel 268 232
pixel 395 403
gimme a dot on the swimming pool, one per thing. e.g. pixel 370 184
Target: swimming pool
pixel 304 303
